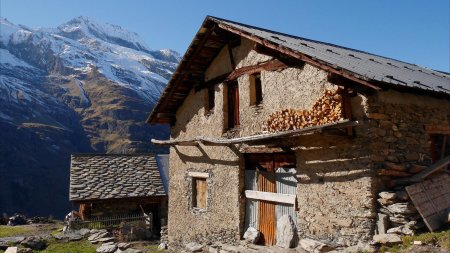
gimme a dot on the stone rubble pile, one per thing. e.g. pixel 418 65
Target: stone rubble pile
pixel 17 219
pixel 397 215
pixel 20 219
pixel 108 243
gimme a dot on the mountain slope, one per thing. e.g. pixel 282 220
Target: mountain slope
pixel 84 86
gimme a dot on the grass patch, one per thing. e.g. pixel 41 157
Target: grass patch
pixel 152 249
pixel 441 239
pixel 8 231
pixel 72 247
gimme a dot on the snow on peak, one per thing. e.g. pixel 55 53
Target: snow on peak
pixel 6 30
pixel 84 27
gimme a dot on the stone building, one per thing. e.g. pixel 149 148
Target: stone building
pixel 265 124
pixel 113 185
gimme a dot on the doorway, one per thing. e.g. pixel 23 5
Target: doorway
pixel 269 173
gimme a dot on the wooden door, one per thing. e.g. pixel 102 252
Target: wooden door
pixel 267 216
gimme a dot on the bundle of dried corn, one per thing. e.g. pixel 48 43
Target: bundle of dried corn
pixel 328 109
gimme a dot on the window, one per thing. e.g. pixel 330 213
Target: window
pixel 439 146
pixel 199 193
pixel 211 98
pixel 232 105
pixel 255 89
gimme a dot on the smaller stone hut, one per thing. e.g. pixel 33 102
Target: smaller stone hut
pixel 109 185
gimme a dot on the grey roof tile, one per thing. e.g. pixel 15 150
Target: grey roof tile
pixel 105 176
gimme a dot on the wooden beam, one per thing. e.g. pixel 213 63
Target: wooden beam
pixel 260 149
pixel 198 174
pixel 301 56
pixel 270 65
pixel 437 129
pixel 425 173
pixel 271 196
pixel 256 138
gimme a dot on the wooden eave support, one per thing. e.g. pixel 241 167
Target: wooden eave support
pixel 300 56
pixel 254 138
pixel 270 65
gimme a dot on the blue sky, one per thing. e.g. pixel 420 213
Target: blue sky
pixel 415 31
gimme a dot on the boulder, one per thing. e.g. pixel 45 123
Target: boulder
pixel 35 243
pixel 401 208
pixel 123 245
pixel 69 236
pixel 84 232
pixel 17 219
pixel 388 239
pixel 194 247
pixel 382 223
pixel 106 248
pixel 11 250
pixel 252 235
pixel 5 242
pixel 387 195
pixel 396 230
pixel 286 232
pixel 313 246
pixel 24 250
pixel 385 202
pixel 130 250
pixel 406 230
pixel 98 235
pixel 162 246
pixel 106 239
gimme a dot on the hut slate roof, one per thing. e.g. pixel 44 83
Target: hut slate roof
pixel 114 176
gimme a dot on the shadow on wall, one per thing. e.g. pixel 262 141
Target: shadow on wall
pixel 203 157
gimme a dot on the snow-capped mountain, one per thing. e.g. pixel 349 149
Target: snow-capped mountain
pixel 85 86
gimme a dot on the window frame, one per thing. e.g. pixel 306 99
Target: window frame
pixel 195 192
pixel 191 177
pixel 256 90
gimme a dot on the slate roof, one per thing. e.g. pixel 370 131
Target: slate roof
pixel 366 65
pixel 111 176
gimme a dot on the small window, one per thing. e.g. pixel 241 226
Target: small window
pixel 199 193
pixel 255 89
pixel 211 98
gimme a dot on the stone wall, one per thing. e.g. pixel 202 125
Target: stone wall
pixel 337 183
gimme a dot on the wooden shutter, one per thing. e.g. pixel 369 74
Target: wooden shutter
pixel 200 193
pixel 233 105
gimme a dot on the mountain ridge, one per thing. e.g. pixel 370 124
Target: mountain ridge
pixel 82 87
